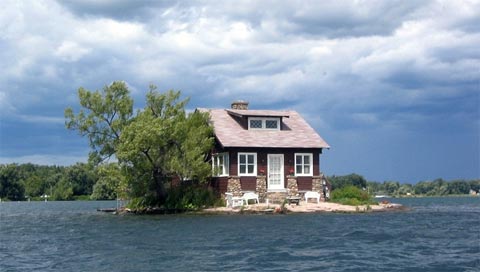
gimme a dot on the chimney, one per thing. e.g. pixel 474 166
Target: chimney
pixel 239 105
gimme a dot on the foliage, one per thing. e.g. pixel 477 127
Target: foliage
pixel 157 144
pixel 10 186
pixel 437 187
pixel 111 183
pixel 339 182
pixel 351 195
pixel 63 190
pixel 190 197
pixel 103 116
pixel 21 181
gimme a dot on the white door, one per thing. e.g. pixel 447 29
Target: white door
pixel 275 171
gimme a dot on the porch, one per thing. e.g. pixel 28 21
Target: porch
pixel 294 187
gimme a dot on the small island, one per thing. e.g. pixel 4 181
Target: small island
pixel 304 207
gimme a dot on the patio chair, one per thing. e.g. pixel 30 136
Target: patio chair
pixel 233 201
pixel 247 196
pixel 312 194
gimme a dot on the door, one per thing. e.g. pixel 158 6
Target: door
pixel 275 171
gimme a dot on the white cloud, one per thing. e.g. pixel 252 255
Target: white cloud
pixel 345 65
pixel 71 51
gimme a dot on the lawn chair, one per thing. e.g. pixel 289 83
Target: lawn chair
pixel 248 196
pixel 312 194
pixel 233 201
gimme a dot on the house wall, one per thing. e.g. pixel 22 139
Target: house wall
pixel 262 161
pixel 249 183
pixel 219 184
pixel 304 183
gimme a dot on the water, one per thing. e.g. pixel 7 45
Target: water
pixel 439 234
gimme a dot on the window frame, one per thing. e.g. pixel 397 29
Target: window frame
pixel 302 174
pixel 216 163
pixel 246 154
pixel 264 122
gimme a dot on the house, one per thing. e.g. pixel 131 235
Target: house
pixel 272 153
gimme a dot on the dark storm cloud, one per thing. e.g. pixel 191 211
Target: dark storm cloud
pixel 388 71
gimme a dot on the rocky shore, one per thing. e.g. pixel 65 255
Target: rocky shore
pixel 262 208
pixel 307 208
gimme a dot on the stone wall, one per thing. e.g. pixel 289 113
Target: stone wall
pixel 261 189
pixel 319 184
pixel 234 186
pixel 292 186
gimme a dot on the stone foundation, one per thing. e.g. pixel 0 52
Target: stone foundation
pixel 234 186
pixel 292 186
pixel 261 188
pixel 319 184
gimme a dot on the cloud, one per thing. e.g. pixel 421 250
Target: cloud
pixel 348 66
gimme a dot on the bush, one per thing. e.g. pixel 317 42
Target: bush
pixel 351 195
pixel 191 197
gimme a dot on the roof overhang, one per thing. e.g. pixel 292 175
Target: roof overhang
pixel 257 113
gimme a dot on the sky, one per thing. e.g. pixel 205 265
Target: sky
pixel 392 86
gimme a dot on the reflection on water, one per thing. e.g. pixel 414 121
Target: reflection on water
pixel 439 234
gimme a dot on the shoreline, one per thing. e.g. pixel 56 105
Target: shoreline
pixel 263 208
pixel 322 207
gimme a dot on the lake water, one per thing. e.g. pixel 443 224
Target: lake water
pixel 438 234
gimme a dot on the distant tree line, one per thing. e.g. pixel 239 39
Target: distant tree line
pixel 22 181
pixel 437 187
pixel 106 181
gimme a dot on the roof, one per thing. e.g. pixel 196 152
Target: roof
pixel 295 133
pixel 258 113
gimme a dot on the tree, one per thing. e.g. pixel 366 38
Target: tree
pixel 82 178
pixel 63 190
pixel 391 187
pixel 111 183
pixel 352 179
pixel 10 186
pixel 166 142
pixel 102 119
pixel 159 143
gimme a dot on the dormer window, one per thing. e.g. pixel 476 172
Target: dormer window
pixel 264 123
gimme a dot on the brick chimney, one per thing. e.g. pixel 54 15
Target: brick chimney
pixel 239 105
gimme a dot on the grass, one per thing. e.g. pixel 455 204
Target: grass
pixel 351 195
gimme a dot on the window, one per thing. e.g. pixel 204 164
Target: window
pixel 220 164
pixel 271 124
pixel 255 123
pixel 303 164
pixel 264 123
pixel 247 164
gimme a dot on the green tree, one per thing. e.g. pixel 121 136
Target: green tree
pixel 82 178
pixel 165 142
pixel 343 181
pixel 63 190
pixel 111 183
pixel 10 185
pixel 104 115
pixel 34 186
pixel 391 187
pixel 159 143
pixel 405 189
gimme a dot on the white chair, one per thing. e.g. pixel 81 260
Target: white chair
pixel 247 196
pixel 233 201
pixel 312 194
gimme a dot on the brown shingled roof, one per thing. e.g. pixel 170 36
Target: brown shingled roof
pixel 297 132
